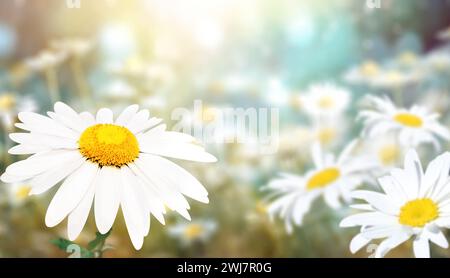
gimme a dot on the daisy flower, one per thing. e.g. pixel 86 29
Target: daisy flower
pixel 325 100
pixel 414 205
pixel 364 73
pixel 195 231
pixel 111 163
pixel 44 60
pixel 72 46
pixel 444 34
pixel 413 126
pixel 331 178
pixel 10 103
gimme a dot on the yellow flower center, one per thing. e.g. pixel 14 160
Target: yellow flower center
pixel 323 178
pixel 326 102
pixel 389 154
pixel 7 101
pixel 370 68
pixel 22 192
pixel 109 145
pixel 193 231
pixel 418 212
pixel 326 135
pixel 408 119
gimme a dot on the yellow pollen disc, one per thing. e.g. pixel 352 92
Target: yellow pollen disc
pixel 326 135
pixel 193 231
pixel 326 102
pixel 23 192
pixel 408 119
pixel 370 68
pixel 109 145
pixel 323 178
pixel 7 101
pixel 418 213
pixel 389 154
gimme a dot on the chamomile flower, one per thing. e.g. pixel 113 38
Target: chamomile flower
pixel 331 178
pixel 195 231
pixel 413 126
pixel 444 34
pixel 364 73
pixel 111 163
pixel 414 205
pixel 18 193
pixel 72 46
pixel 325 100
pixel 10 103
pixel 44 60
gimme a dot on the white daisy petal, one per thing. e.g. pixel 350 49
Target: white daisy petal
pixel 358 242
pixel 421 247
pixel 127 115
pixel 107 198
pixel 70 194
pixel 77 218
pixel 104 116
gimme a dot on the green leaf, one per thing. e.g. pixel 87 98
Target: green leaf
pixel 99 240
pixel 64 244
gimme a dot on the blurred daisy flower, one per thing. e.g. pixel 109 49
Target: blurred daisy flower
pixel 325 100
pixel 437 61
pixel 72 46
pixel 118 90
pixel 45 59
pixel 194 231
pixel 393 79
pixel 11 103
pixel 414 204
pixel 444 34
pixel 364 73
pixel 413 126
pixel 331 178
pixel 18 193
pixel 108 163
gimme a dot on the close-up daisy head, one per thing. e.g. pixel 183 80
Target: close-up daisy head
pixel 415 204
pixel 325 100
pixel 413 126
pixel 333 178
pixel 109 162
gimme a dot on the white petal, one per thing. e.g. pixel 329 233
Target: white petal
pixel 177 176
pixel 104 116
pixel 390 243
pixel 37 164
pixel 107 198
pixel 88 118
pixel 47 180
pixel 70 194
pixel 39 123
pixel 414 170
pixel 368 219
pixel 77 218
pixel 127 115
pixel 68 117
pixel 421 247
pixel 166 144
pixel 437 237
pixel 132 213
pixel 358 242
pixel 138 120
pixel 377 200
